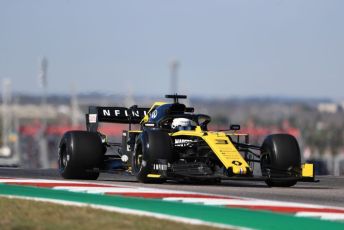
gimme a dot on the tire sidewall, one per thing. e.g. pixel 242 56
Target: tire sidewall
pixel 84 151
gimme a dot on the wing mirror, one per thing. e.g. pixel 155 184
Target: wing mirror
pixel 234 127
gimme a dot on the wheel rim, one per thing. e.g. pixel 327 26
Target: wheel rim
pixel 63 159
pixel 138 159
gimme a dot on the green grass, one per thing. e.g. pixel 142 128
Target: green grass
pixel 17 214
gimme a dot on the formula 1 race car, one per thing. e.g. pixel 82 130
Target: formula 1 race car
pixel 173 143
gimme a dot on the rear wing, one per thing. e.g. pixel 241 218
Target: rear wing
pixel 96 114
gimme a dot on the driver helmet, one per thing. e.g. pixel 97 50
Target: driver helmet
pixel 182 124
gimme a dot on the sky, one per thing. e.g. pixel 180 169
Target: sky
pixel 225 48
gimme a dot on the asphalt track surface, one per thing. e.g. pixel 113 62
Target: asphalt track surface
pixel 329 191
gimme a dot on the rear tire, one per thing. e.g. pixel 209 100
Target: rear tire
pixel 80 153
pixel 280 160
pixel 150 146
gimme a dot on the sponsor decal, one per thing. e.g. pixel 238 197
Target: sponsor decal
pixel 221 142
pixel 92 118
pixel 181 142
pixel 154 114
pixel 122 112
pixel 238 163
pixel 118 112
pixel 162 167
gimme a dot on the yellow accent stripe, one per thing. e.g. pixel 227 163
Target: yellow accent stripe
pixel 153 176
pixel 155 105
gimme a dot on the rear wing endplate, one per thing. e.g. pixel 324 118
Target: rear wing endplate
pixel 96 114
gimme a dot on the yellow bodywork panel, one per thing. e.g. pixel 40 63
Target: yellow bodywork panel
pixel 307 170
pixel 222 147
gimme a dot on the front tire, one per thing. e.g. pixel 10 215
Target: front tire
pixel 80 153
pixel 150 146
pixel 281 160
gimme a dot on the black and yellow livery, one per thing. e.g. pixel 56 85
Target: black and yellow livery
pixel 173 143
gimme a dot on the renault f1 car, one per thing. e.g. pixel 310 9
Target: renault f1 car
pixel 173 143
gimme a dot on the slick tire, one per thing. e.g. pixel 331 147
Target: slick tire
pixel 150 146
pixel 280 155
pixel 80 153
